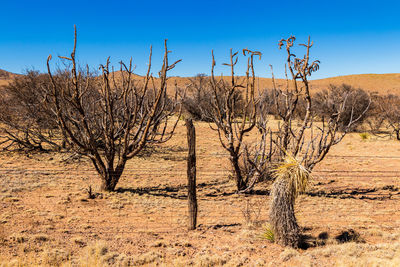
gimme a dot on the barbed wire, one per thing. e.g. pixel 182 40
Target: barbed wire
pixel 183 171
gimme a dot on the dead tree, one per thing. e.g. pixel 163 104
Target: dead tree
pixel 327 101
pixel 191 174
pixel 303 142
pixel 310 137
pixel 197 97
pixel 121 118
pixel 26 122
pixel 388 108
pixel 233 123
pixel 259 157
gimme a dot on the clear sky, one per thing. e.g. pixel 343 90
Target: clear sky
pixel 350 37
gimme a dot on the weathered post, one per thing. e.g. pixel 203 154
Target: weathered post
pixel 191 174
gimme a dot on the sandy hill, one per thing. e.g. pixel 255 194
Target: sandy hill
pixel 6 77
pixel 380 83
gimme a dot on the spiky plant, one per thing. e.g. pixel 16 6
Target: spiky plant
pixel 268 233
pixel 291 178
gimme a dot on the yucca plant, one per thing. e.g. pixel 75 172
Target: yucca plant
pixel 291 178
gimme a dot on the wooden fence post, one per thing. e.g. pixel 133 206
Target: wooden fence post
pixel 191 174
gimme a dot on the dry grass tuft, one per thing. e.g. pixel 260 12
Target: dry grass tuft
pixel 55 257
pixel 268 233
pixel 210 260
pixel 288 253
pixel 365 136
pixel 147 258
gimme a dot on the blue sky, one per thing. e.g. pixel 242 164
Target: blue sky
pixel 350 37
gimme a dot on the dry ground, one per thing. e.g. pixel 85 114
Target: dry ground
pixel 47 219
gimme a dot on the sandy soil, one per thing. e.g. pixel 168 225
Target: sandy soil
pixel 46 217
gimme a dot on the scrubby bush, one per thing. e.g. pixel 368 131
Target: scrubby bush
pixel 386 110
pixel 200 96
pixel 374 121
pixel 197 98
pixel 274 102
pixel 353 102
pixel 27 120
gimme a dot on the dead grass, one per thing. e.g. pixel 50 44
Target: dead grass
pixel 46 216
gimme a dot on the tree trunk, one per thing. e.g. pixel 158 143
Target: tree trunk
pixel 111 178
pixel 108 184
pixel 238 173
pixel 191 174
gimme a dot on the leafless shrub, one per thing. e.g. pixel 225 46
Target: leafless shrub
pixel 252 211
pixel 310 137
pixel 230 103
pixel 124 117
pixel 233 123
pixel 27 122
pixel 355 100
pixel 259 157
pixel 267 100
pixel 374 120
pixel 274 103
pixel 199 96
pixel 387 108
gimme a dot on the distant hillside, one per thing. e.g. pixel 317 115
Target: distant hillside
pixel 6 77
pixel 381 83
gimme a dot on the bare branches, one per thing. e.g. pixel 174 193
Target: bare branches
pixel 300 134
pixel 387 112
pixel 233 111
pixel 27 122
pixel 111 118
